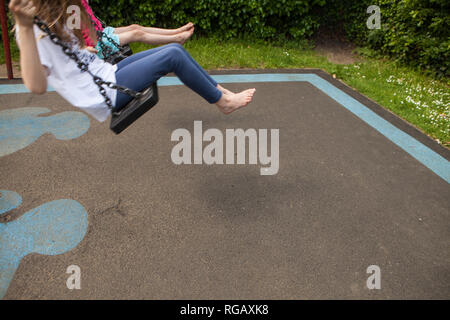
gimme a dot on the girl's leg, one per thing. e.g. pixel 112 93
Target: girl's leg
pixel 139 35
pixel 119 30
pixel 139 56
pixel 184 28
pixel 195 63
pixel 225 91
pixel 151 30
pixel 142 72
pixel 143 54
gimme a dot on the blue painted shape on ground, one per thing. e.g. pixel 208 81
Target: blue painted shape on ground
pixel 53 228
pixel 9 200
pixel 21 127
pixel 432 160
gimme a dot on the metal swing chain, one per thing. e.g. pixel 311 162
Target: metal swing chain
pixel 105 48
pixel 84 67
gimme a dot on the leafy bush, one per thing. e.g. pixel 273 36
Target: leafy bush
pixel 415 32
pixel 266 19
pixel 347 17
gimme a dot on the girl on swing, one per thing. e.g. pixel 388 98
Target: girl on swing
pixel 130 34
pixel 43 63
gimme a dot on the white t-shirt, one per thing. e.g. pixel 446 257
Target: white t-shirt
pixel 75 86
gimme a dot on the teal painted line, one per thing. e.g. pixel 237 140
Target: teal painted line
pixel 22 126
pixel 429 158
pixel 435 162
pixel 9 201
pixel 53 228
pixel 17 88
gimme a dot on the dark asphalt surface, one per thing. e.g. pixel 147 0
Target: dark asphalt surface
pixel 345 198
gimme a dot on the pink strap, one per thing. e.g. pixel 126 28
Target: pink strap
pixel 97 24
pixel 87 38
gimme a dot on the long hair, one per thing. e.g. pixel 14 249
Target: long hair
pixel 54 13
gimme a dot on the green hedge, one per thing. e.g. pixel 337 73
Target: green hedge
pixel 346 16
pixel 265 19
pixel 415 32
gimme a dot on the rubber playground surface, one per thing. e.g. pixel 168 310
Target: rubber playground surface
pixel 356 187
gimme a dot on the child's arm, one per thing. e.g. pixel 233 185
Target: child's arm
pixel 33 72
pixel 91 49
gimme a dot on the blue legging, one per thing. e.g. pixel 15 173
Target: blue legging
pixel 142 69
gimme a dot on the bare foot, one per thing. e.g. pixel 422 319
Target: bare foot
pixel 223 90
pixel 181 38
pixel 186 27
pixel 234 101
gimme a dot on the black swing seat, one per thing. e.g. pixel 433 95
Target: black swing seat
pixel 124 52
pixel 123 118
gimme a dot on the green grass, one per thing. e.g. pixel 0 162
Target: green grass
pixel 422 101
pixel 419 99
